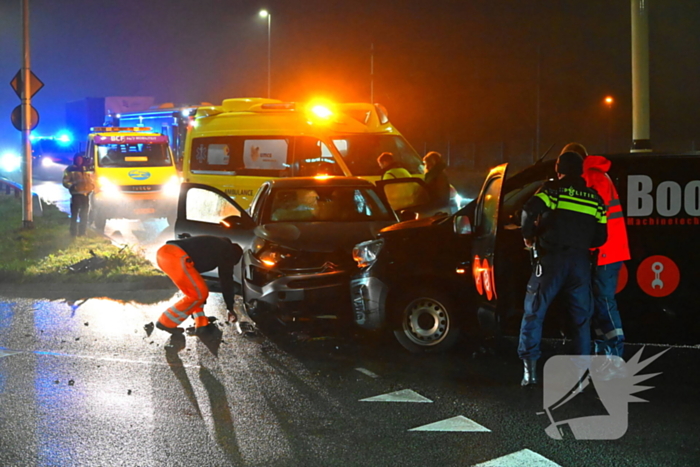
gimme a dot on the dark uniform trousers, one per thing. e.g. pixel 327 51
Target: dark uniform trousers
pixel 79 208
pixel 570 273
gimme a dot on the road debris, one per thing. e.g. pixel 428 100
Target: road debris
pixel 90 264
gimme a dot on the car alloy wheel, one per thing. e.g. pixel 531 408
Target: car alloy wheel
pixel 427 323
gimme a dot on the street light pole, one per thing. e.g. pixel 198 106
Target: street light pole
pixel 609 102
pixel 266 14
pixel 27 207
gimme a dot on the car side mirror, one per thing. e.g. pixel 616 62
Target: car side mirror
pixel 234 222
pixel 462 225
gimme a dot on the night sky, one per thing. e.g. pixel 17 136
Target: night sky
pixel 448 71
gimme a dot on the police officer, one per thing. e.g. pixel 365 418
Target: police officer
pixel 562 222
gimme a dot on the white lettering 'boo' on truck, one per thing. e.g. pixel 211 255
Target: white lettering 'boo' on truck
pixel 668 199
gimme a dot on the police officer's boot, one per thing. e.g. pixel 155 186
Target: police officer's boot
pixel 529 373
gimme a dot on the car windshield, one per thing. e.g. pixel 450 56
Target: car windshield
pixel 326 204
pixel 134 155
pixel 360 153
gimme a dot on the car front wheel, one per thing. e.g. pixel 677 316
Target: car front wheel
pixel 427 321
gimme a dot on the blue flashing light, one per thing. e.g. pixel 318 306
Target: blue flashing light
pixel 63 137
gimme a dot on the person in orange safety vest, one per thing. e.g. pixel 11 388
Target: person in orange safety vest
pixel 183 260
pixel 607 325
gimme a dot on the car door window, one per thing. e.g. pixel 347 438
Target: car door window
pixel 486 221
pixel 208 207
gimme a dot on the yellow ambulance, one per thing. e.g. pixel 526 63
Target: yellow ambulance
pixel 135 175
pixel 238 145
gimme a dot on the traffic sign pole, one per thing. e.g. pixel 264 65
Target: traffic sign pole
pixel 27 208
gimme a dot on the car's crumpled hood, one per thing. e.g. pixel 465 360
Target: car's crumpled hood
pixel 320 236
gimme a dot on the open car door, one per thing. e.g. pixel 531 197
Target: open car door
pixel 205 210
pixel 485 230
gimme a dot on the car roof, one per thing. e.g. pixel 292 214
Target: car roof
pixel 299 182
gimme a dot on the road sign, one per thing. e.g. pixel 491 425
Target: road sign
pixel 34 84
pixel 16 117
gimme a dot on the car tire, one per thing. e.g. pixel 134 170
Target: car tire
pixel 426 321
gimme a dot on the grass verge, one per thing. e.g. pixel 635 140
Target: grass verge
pixel 43 254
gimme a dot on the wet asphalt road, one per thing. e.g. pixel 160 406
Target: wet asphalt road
pixel 82 383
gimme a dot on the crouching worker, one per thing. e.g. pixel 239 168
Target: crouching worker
pixel 183 261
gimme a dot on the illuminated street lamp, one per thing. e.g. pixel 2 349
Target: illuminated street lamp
pixel 266 14
pixel 609 103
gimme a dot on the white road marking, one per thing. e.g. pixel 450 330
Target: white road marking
pixel 365 371
pixel 458 423
pixel 405 395
pixel 518 459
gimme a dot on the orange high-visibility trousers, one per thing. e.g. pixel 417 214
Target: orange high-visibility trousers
pixel 175 262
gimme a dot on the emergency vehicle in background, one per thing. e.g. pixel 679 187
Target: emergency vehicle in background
pixel 238 145
pixel 135 175
pixel 166 119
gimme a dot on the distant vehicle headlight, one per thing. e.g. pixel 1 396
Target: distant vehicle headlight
pixel 107 187
pixel 172 187
pixel 460 201
pixel 46 162
pixel 365 253
pixel 10 162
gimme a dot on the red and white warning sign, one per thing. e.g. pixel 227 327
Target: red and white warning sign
pixel 658 276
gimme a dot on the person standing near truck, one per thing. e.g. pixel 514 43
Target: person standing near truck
pixel 80 184
pixel 561 223
pixel 390 168
pixel 607 325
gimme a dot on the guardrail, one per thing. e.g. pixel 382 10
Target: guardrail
pixel 11 187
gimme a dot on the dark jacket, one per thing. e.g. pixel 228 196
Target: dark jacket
pixel 438 185
pixel 208 253
pixel 571 216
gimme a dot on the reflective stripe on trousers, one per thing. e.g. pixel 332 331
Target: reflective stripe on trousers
pixel 174 262
pixel 609 336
